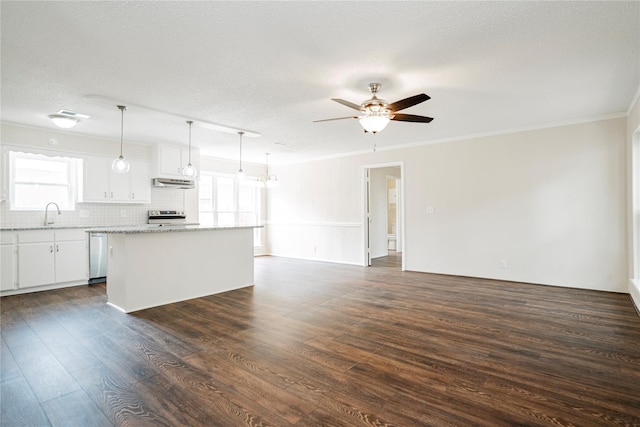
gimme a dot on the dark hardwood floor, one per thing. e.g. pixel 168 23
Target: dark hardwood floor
pixel 315 344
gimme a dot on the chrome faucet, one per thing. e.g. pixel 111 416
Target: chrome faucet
pixel 48 221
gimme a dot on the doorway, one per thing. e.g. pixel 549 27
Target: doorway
pixel 383 223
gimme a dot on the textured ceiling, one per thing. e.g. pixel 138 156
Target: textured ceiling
pixel 272 67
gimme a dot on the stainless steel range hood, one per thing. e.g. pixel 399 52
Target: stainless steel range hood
pixel 174 183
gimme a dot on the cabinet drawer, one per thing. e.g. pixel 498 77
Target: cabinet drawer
pixel 68 235
pixel 36 236
pixel 7 238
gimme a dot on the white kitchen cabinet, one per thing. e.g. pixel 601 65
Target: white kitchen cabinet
pixel 4 178
pixel 36 264
pixel 140 182
pixel 8 262
pixel 47 257
pixel 171 159
pixel 96 179
pixel 102 184
pixel 72 255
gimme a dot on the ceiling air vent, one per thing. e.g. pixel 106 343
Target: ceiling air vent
pixel 72 114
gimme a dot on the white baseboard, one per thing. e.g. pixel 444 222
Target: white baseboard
pixel 316 259
pixel 634 291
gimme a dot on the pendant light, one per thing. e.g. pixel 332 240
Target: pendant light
pixel 121 165
pixel 240 171
pixel 190 171
pixel 267 180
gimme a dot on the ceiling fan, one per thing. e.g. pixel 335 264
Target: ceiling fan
pixel 376 112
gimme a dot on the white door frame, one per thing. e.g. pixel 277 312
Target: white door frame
pixel 634 247
pixel 365 209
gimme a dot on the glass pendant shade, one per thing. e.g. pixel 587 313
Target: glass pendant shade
pixel 374 122
pixel 121 165
pixel 190 171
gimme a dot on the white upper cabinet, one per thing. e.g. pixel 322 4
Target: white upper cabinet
pixel 96 186
pixel 140 182
pixel 102 184
pixel 169 160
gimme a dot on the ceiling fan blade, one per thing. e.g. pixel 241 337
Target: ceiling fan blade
pixel 347 103
pixel 408 102
pixel 411 118
pixel 338 118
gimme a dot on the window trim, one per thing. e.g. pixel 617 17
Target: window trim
pixel 74 174
pixel 258 239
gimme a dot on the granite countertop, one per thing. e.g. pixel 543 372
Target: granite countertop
pixel 48 227
pixel 133 228
pixel 154 228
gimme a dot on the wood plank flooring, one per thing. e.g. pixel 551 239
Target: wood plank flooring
pixel 318 344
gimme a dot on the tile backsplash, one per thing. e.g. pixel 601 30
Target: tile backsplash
pixel 96 214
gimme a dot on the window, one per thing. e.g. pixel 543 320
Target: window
pixel 226 201
pixel 37 179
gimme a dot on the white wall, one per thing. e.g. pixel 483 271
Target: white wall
pixel 316 213
pixel 551 202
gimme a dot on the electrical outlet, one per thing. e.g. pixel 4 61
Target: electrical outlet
pixel 123 213
pixel 503 264
pixel 430 209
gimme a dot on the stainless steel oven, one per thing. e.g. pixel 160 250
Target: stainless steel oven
pixel 166 217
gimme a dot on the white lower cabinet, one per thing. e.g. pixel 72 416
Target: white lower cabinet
pixel 52 257
pixel 71 261
pixel 36 265
pixel 8 262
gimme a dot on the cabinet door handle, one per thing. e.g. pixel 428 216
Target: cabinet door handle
pixel 51 249
pixel 112 194
pixel 133 195
pixel 57 248
pixel 105 194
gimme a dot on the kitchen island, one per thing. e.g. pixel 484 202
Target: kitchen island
pixel 151 265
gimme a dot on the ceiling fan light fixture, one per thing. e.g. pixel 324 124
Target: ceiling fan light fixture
pixel 373 122
pixel 376 112
pixel 62 121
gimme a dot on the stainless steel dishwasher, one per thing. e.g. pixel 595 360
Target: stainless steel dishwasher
pixel 97 258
